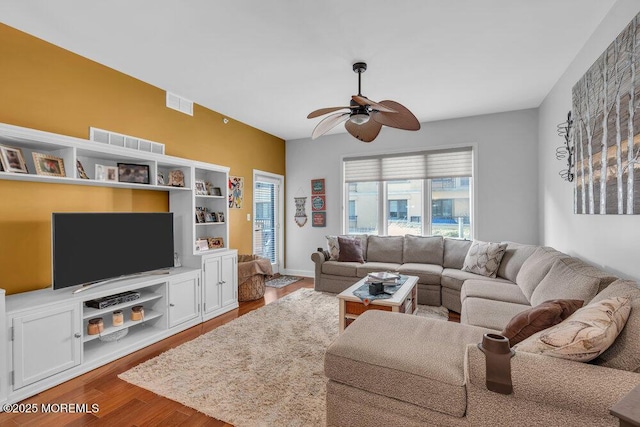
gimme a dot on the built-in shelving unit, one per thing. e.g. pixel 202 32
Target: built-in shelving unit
pixel 48 341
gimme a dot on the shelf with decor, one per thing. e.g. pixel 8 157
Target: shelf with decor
pixel 108 330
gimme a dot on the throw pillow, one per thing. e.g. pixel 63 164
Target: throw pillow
pixel 333 246
pixel 484 258
pixel 585 335
pixel 539 318
pixel 350 250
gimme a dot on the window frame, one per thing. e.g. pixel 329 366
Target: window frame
pixel 426 192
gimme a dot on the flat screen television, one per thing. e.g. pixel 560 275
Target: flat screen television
pixel 92 247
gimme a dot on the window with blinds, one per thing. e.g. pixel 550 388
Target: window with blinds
pixel 425 192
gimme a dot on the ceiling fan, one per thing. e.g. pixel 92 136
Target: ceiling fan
pixel 366 117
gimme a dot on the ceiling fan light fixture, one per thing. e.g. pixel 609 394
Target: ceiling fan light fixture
pixel 359 118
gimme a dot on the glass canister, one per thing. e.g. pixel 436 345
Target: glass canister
pixel 137 312
pixel 95 326
pixel 118 318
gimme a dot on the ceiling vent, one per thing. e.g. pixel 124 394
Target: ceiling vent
pixel 178 103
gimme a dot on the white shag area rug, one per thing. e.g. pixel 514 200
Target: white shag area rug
pixel 264 368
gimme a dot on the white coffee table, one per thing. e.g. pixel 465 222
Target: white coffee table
pixel 405 300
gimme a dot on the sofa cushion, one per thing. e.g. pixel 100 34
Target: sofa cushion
pixel 585 269
pixel 564 282
pixel 625 352
pixel 484 258
pixel 539 318
pixel 370 267
pixel 534 268
pixel 489 313
pixel 425 250
pixel 421 360
pixel 514 256
pixel 493 290
pixel 454 279
pixel 585 335
pixel 333 246
pixel 385 249
pixel 338 268
pixel 350 250
pixel 428 274
pixel 455 250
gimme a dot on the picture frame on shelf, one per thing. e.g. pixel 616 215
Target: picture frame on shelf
pixel 48 165
pixel 220 216
pixel 176 178
pixel 12 160
pixel 81 173
pixel 111 173
pixel 215 242
pixel 133 173
pixel 210 217
pixel 202 245
pixel 160 178
pixel 200 187
pixel 216 191
pixel 100 173
pixel 200 215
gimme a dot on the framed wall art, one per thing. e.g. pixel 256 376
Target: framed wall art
pixel 236 192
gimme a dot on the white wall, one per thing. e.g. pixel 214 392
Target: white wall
pixel 608 241
pixel 506 181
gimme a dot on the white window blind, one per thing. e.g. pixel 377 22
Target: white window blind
pixel 456 162
pixel 265 232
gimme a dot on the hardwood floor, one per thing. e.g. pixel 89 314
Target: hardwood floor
pixel 124 404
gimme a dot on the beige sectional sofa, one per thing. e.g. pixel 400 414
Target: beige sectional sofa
pixel 429 372
pixel 438 263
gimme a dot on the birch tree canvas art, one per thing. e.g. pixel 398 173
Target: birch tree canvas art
pixel 606 135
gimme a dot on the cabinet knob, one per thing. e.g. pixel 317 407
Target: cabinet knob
pixel 172 305
pixel 77 335
pixel 223 282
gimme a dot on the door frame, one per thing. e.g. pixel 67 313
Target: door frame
pixel 279 179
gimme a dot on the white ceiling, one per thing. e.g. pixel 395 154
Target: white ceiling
pixel 270 63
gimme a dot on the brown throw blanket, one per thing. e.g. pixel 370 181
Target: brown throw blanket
pixel 250 265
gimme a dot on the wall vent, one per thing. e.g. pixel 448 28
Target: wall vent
pixel 126 141
pixel 179 103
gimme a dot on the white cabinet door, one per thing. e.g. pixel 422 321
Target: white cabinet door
pixel 211 282
pixel 184 300
pixel 229 281
pixel 46 343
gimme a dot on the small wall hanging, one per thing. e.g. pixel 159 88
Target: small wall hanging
pixel 236 192
pixel 565 151
pixel 301 216
pixel 607 127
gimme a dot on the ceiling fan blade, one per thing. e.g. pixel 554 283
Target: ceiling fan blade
pixel 361 100
pixel 366 132
pixel 403 119
pixel 329 123
pixel 323 111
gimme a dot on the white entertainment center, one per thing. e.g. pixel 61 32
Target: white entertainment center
pixel 45 332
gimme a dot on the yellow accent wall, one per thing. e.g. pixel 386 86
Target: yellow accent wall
pixel 48 88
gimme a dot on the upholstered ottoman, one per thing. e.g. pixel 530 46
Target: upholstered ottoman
pixel 396 369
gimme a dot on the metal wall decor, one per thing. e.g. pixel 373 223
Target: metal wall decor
pixel 565 151
pixel 606 136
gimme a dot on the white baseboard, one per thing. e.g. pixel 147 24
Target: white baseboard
pixel 303 273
